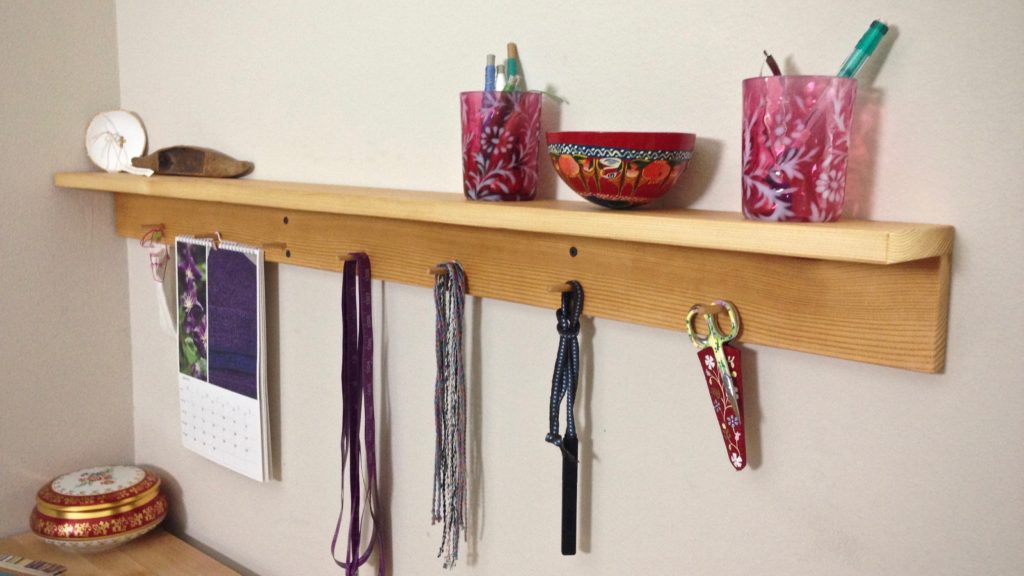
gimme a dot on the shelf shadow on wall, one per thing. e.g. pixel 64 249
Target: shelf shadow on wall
pixel 860 172
pixel 867 124
pixel 385 472
pixel 474 391
pixel 587 455
pixel 550 121
pixel 752 418
pixel 177 518
pixel 695 181
pixel 273 331
pixel 177 515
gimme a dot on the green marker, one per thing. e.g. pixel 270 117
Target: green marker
pixel 867 44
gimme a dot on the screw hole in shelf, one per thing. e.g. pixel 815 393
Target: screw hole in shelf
pixel 573 251
pixel 285 219
pixel 287 253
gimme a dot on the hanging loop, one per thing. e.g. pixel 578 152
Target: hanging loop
pixel 567 324
pixel 567 365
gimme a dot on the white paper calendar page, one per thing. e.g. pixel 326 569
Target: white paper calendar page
pixel 222 368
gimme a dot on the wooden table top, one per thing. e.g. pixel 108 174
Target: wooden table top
pixel 155 554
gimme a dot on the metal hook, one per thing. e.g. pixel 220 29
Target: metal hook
pixel 215 237
pixel 713 308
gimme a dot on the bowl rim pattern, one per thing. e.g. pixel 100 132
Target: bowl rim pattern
pixel 673 156
pixel 628 140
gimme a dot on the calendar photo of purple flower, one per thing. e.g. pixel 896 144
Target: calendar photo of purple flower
pixel 192 321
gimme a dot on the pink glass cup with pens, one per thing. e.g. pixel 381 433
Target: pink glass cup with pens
pixel 500 141
pixel 796 142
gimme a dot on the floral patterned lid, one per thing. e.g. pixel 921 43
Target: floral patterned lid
pixel 98 488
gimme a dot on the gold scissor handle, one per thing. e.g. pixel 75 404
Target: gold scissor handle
pixel 715 336
pixel 715 340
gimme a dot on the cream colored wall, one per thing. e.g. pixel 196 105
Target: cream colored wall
pixel 855 469
pixel 65 385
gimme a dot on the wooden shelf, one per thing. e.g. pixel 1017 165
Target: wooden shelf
pixel 155 554
pixel 868 291
pixel 849 241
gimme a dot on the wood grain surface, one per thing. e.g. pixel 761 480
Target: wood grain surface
pixel 894 315
pixel 846 241
pixel 155 554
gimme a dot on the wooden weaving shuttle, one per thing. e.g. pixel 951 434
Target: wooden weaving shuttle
pixel 570 479
pixel 193 161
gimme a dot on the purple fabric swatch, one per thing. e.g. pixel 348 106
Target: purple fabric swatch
pixel 233 328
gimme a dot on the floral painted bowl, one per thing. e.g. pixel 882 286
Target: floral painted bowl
pixel 620 169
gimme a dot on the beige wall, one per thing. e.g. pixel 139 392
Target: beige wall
pixel 65 382
pixel 856 469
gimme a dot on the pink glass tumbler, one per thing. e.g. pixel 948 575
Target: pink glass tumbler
pixel 796 141
pixel 500 140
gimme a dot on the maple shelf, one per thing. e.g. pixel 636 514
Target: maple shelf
pixel 156 554
pixel 867 291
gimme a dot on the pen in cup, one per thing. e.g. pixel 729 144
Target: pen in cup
pixel 500 79
pixel 865 47
pixel 772 64
pixel 514 81
pixel 489 74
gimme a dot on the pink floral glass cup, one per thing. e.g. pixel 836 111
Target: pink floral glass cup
pixel 796 140
pixel 500 142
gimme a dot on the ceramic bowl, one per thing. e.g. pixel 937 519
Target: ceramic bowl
pixel 98 508
pixel 620 169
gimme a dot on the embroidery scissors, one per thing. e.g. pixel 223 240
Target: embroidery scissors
pixel 716 340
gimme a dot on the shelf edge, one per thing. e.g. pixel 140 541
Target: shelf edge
pixel 846 241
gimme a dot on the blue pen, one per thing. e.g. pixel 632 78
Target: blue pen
pixel 867 44
pixel 489 74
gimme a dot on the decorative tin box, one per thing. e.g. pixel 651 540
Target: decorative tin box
pixel 98 508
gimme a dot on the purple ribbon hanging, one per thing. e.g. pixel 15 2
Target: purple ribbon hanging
pixel 357 401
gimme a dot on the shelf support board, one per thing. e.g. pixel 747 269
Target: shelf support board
pixel 888 314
